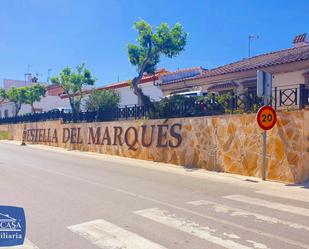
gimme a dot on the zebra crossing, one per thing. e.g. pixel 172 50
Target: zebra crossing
pixel 107 235
pixel 188 226
pixel 104 234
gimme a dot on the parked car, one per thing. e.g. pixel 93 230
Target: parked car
pixel 61 109
pixel 190 93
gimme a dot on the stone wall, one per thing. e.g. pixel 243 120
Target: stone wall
pixel 229 143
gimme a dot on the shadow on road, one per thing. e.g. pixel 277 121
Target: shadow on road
pixel 302 185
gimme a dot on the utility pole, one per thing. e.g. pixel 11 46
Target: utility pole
pixel 250 39
pixel 27 74
pixel 48 75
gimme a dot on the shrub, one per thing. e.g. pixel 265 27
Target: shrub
pixel 102 101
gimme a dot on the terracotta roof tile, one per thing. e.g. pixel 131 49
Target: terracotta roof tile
pixel 257 62
pixel 262 61
pixel 185 70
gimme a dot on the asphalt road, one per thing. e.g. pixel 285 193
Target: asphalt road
pixel 87 201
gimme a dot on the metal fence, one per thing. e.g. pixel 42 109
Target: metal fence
pixel 291 97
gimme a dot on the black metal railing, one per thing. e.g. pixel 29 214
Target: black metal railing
pixel 293 96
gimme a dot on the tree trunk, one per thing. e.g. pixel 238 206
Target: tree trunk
pixel 142 99
pixel 17 109
pixel 75 105
pixel 72 104
pixel 32 108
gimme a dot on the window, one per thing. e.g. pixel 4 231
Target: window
pixel 6 113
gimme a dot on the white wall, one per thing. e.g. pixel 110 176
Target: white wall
pixel 9 106
pixel 46 104
pixel 154 92
pixel 290 78
pixel 127 97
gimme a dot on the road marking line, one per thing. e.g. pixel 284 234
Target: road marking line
pixel 257 245
pixel 27 245
pixel 231 211
pixel 107 235
pixel 187 226
pixel 269 204
pixel 177 207
pixel 287 194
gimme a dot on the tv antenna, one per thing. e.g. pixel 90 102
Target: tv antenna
pixel 250 39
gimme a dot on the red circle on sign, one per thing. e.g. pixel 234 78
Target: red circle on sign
pixel 266 117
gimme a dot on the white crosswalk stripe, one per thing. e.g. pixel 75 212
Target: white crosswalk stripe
pixel 27 245
pixel 290 193
pixel 106 235
pixel 211 235
pixel 269 204
pixel 237 212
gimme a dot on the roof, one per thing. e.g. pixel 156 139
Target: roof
pixel 262 61
pixel 185 70
pixel 285 56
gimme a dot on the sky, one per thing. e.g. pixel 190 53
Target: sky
pixel 53 34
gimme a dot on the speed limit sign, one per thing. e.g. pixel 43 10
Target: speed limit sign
pixel 266 117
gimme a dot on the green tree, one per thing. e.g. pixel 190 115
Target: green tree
pixel 153 42
pixel 2 95
pixel 34 93
pixel 17 96
pixel 102 101
pixel 73 83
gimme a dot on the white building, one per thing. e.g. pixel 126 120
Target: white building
pixel 55 99
pixel 51 101
pixel 149 85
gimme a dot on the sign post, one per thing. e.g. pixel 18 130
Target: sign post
pixel 266 116
pixel 264 155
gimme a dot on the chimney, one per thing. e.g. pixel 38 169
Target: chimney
pixel 300 40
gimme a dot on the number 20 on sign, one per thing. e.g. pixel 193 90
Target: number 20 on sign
pixel 266 117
